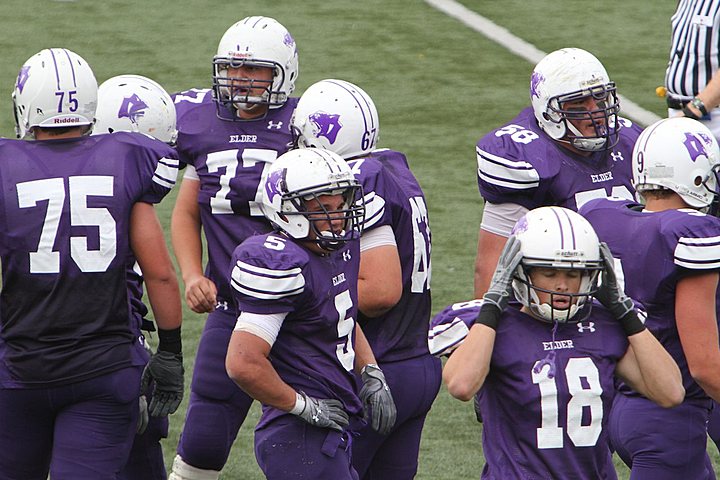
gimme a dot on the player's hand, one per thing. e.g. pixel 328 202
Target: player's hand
pixel 167 371
pixel 323 413
pixel 610 293
pixel 200 294
pixel 144 417
pixel 501 284
pixel 377 400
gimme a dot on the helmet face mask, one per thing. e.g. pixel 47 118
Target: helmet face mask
pixel 312 195
pixel 574 76
pixel 555 238
pixel 681 155
pixel 338 116
pixel 137 104
pixel 257 42
pixel 56 88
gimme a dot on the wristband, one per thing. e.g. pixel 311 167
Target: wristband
pixel 489 315
pixel 299 404
pixel 631 323
pixel 689 113
pixel 170 340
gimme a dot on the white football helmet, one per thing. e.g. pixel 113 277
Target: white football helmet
pixel 556 237
pixel 678 154
pixel 259 42
pixel 305 174
pixel 572 74
pixel 338 116
pixel 55 88
pixel 136 104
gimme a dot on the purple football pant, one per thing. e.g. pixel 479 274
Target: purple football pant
pixel 76 432
pixel 414 384
pixel 146 460
pixel 713 427
pixel 660 443
pixel 217 405
pixel 289 448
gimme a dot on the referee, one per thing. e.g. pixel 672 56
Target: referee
pixel 692 79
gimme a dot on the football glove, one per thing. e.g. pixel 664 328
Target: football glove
pixel 613 297
pixel 501 284
pixel 323 413
pixel 166 370
pixel 377 400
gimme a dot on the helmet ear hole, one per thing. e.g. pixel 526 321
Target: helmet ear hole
pixel 698 181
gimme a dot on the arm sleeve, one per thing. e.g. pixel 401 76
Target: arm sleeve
pixel 266 326
pixel 500 218
pixel 377 237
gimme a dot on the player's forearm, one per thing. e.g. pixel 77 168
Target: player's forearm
pixel 164 295
pixel 661 380
pixel 468 366
pixel 257 377
pixel 363 352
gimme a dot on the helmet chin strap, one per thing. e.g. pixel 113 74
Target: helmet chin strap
pixel 582 143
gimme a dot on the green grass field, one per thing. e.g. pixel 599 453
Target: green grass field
pixel 438 85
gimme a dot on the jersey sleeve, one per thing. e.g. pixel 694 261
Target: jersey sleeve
pixel 513 168
pixel 449 328
pixel 267 275
pixel 154 165
pixel 375 185
pixel 697 245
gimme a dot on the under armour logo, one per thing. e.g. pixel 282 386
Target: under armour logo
pixel 589 328
pixel 221 306
pixel 276 126
pixel 347 256
pixel 617 156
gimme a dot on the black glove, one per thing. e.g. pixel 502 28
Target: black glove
pixel 144 417
pixel 613 297
pixel 166 370
pixel 323 413
pixel 476 407
pixel 377 400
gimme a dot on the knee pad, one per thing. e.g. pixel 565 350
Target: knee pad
pixel 183 471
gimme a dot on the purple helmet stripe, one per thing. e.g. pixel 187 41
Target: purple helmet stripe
pixel 562 232
pixel 72 67
pixel 365 111
pixel 572 230
pixel 57 72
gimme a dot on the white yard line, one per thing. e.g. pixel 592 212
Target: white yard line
pixel 524 49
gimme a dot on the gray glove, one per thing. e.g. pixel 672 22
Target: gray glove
pixel 610 293
pixel 166 370
pixel 377 400
pixel 323 413
pixel 501 283
pixel 144 417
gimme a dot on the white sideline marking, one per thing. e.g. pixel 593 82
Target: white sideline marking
pixel 524 49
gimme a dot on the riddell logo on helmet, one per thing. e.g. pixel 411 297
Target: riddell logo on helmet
pixel 65 120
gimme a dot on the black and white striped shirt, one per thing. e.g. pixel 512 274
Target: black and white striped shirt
pixel 695 47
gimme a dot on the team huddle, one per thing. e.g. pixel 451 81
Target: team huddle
pixel 593 329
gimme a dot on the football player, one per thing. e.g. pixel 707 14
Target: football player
pixel 138 104
pixel 547 370
pixel 668 252
pixel 570 146
pixel 75 208
pixel 297 342
pixel 395 269
pixel 228 137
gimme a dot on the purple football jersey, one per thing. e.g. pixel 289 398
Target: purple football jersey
pixel 314 351
pixel 519 163
pixel 546 400
pixel 65 252
pixel 393 197
pixel 231 160
pixel 655 250
pixel 449 328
